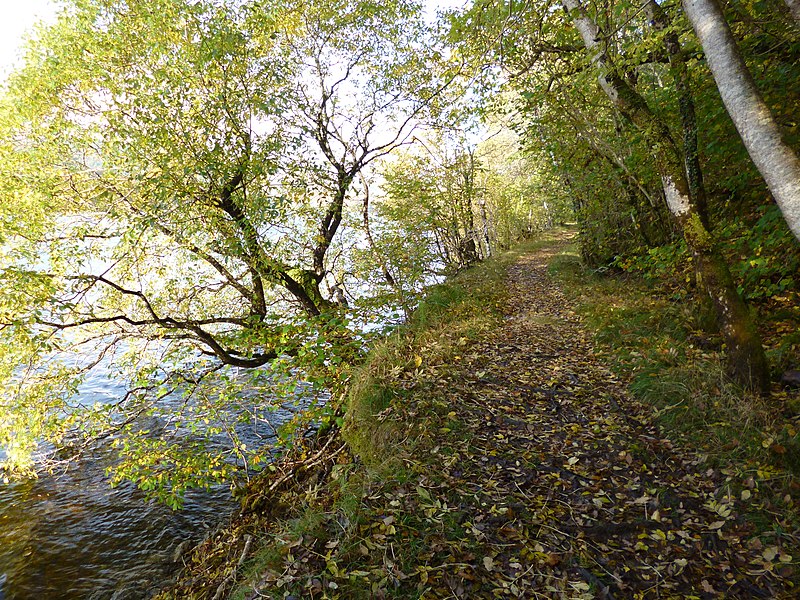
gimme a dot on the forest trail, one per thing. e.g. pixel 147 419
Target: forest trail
pixel 527 472
pixel 565 488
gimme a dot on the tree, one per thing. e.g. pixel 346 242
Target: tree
pixel 794 9
pixel 563 123
pixel 538 50
pixel 456 202
pixel 433 190
pixel 680 75
pixel 777 162
pixel 745 353
pixel 177 175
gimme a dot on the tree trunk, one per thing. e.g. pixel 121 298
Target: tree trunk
pixel 794 8
pixel 774 158
pixel 745 354
pixel 485 225
pixel 387 275
pixel 680 74
pixel 468 251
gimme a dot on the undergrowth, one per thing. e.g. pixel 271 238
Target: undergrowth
pixel 764 259
pixel 661 345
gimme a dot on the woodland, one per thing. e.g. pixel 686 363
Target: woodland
pixel 213 201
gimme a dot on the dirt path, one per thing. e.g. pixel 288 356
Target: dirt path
pixel 561 487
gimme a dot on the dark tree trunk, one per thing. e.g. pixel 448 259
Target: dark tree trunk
pixel 485 225
pixel 468 251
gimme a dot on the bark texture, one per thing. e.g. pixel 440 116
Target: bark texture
pixel 774 158
pixel 680 74
pixel 794 8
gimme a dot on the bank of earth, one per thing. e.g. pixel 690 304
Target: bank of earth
pixel 489 451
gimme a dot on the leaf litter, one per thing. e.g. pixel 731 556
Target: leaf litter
pixel 561 487
pixel 532 474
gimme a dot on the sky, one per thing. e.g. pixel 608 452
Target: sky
pixel 16 18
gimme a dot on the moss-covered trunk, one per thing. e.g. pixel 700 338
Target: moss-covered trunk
pixel 745 355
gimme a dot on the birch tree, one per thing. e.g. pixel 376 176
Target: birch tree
pixel 175 176
pixel 777 162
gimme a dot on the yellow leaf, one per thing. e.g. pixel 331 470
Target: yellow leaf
pixel 770 553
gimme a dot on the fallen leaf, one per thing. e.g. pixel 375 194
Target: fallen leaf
pixel 770 553
pixel 707 587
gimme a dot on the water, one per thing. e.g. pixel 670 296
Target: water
pixel 71 536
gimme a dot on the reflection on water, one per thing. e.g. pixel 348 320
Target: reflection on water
pixel 71 536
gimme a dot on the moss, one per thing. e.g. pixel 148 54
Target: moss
pixel 696 234
pixel 371 436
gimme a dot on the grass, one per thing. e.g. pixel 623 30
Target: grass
pixel 676 368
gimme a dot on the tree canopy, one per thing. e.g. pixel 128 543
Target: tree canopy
pixel 177 173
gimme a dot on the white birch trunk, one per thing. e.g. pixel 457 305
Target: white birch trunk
pixel 679 203
pixel 590 34
pixel 774 158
